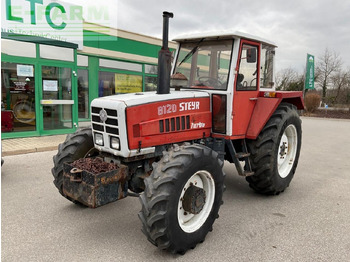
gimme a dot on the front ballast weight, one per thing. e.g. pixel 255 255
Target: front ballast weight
pixel 94 183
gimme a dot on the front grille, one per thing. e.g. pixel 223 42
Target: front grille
pixel 112 122
pixel 174 124
pixel 110 125
pixel 112 130
pixel 112 112
pixel 96 110
pixel 96 119
pixel 97 127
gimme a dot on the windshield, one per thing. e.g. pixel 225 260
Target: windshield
pixel 204 64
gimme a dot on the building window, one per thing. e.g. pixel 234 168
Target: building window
pixel 151 72
pixel 106 83
pixel 82 60
pixel 18 48
pixel 57 53
pixel 150 83
pixel 17 97
pixel 120 65
pixel 126 83
pixel 83 93
pixel 110 83
pixel 151 69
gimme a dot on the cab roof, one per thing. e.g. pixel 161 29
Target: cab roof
pixel 229 34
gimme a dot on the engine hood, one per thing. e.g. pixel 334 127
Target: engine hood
pixel 133 99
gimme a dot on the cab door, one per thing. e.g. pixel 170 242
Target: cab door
pixel 246 86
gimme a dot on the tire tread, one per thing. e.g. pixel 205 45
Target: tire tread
pixel 262 152
pixel 158 188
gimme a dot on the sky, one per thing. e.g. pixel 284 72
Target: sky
pixel 297 27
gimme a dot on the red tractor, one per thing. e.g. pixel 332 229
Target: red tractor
pixel 168 147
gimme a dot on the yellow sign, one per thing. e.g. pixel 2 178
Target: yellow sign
pixel 46 102
pixel 128 83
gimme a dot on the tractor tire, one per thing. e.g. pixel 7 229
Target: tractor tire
pixel 77 145
pixel 275 153
pixel 182 197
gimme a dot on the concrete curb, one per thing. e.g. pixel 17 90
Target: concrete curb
pixel 27 151
pixel 325 118
pixel 19 146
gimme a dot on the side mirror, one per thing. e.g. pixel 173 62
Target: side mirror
pixel 251 55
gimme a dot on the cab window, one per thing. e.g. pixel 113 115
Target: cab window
pixel 248 68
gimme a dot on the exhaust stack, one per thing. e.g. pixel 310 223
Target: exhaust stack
pixel 164 59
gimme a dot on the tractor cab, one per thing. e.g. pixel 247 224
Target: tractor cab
pixel 233 67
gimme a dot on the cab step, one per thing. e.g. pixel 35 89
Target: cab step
pixel 247 173
pixel 240 155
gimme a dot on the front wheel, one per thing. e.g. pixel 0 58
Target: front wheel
pixel 275 153
pixel 77 145
pixel 182 198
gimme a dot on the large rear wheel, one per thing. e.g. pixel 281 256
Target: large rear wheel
pixel 182 197
pixel 275 153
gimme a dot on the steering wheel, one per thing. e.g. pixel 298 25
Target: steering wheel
pixel 210 81
pixel 251 82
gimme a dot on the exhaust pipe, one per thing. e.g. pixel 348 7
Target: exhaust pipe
pixel 164 59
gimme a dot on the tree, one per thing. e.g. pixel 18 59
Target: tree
pixel 285 77
pixel 340 81
pixel 329 63
pixel 289 80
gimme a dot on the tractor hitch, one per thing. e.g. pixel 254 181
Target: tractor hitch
pixel 93 182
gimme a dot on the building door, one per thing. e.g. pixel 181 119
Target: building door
pixel 58 92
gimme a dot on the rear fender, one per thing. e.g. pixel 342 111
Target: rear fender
pixel 265 106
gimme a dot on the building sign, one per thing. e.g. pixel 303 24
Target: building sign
pixel 128 83
pixel 54 20
pixel 50 85
pixel 310 72
pixel 25 70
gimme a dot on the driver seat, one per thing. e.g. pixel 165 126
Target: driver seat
pixel 240 79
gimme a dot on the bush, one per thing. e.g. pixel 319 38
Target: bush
pixel 312 101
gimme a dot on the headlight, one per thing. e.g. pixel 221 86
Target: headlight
pixel 99 139
pixel 115 143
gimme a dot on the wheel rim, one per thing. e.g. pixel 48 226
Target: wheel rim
pixel 287 150
pixel 204 182
pixel 24 112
